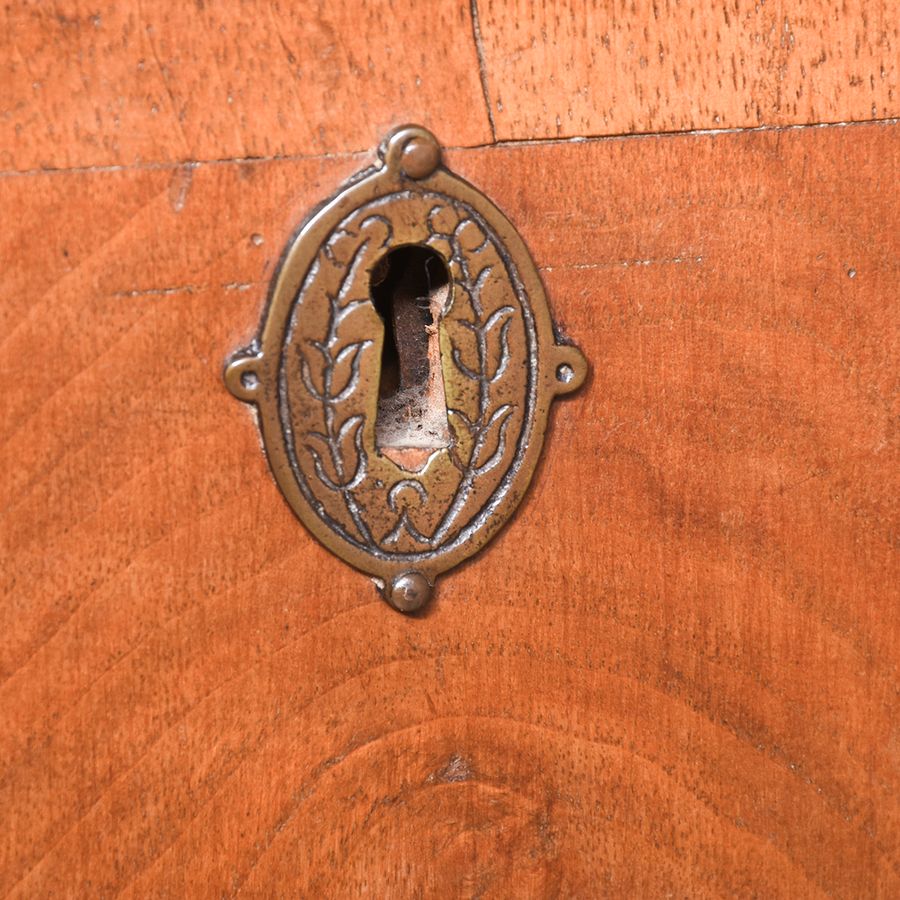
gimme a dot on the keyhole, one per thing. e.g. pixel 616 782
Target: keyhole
pixel 410 289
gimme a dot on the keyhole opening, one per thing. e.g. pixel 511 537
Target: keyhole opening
pixel 410 288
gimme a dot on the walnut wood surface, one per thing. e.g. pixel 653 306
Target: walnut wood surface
pixel 659 65
pixel 128 82
pixel 124 82
pixel 674 674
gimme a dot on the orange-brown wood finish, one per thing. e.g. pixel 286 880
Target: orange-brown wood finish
pixel 659 65
pixel 675 673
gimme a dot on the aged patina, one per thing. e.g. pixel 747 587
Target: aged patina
pixel 404 370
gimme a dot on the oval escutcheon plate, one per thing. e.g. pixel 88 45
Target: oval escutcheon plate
pixel 404 370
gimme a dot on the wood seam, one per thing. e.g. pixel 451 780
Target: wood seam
pixel 482 66
pixel 166 166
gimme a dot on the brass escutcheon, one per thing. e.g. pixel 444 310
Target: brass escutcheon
pixel 404 370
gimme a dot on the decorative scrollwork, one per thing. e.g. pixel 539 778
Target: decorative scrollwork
pixel 314 373
pixel 335 382
pixel 338 453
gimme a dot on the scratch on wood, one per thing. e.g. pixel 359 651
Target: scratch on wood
pixel 180 186
pixel 457 769
pixel 187 289
pixel 628 263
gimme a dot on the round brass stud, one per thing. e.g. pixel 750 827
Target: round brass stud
pixel 409 592
pixel 420 157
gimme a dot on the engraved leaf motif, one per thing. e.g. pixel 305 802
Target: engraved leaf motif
pixel 350 446
pixel 470 236
pixel 481 279
pixel 475 287
pixel 322 349
pixel 463 438
pixel 345 374
pixel 329 479
pixel 330 371
pixel 496 331
pixel 334 459
pixel 349 308
pixel 314 384
pixel 465 347
pixel 495 443
pixel 462 299
pixel 481 343
pixel 349 278
pixel 339 248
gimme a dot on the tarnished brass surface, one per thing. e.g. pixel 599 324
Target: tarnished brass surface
pixel 413 498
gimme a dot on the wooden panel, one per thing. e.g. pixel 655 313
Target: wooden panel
pixel 674 673
pixel 170 80
pixel 579 67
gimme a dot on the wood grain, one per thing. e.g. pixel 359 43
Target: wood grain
pixel 579 67
pixel 138 82
pixel 674 673
pixel 143 83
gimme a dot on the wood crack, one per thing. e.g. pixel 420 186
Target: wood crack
pixel 170 165
pixel 482 66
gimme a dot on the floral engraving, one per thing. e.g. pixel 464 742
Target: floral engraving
pixel 386 511
pixel 404 369
pixel 336 380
